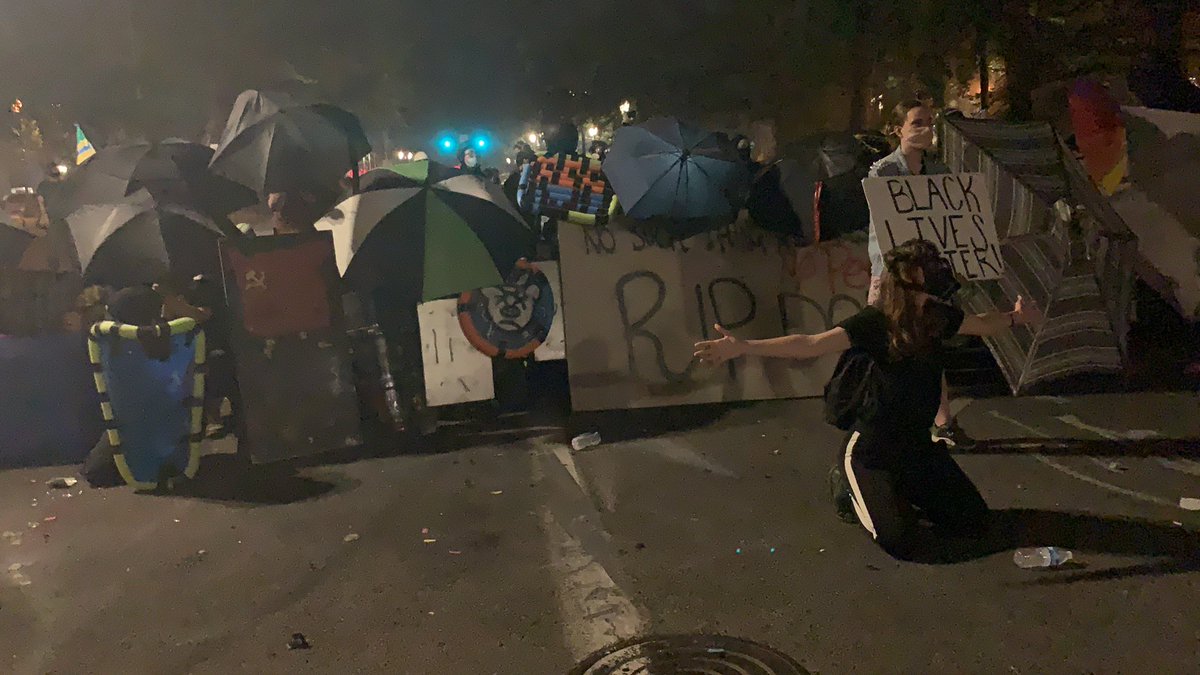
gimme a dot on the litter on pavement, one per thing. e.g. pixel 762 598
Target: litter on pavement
pixel 350 537
pixel 298 641
pixel 1189 503
pixel 62 482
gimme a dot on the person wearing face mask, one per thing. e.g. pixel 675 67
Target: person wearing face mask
pixel 468 162
pixel 912 122
pixel 895 475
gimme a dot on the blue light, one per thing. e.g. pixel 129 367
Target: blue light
pixel 447 144
pixel 482 143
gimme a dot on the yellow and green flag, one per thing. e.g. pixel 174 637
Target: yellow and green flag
pixel 83 147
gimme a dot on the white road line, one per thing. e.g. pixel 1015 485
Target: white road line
pixel 568 461
pixel 595 613
pixel 1110 434
pixel 1135 494
pixel 683 454
pixel 1188 466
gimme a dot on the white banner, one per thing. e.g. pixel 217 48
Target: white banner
pixel 953 210
pixel 555 346
pixel 634 309
pixel 455 372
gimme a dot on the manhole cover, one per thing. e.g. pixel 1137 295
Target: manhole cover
pixel 688 654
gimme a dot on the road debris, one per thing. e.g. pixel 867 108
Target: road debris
pixel 430 541
pixel 497 492
pixel 585 441
pixel 62 482
pixel 454 552
pixel 50 519
pixel 1189 503
pixel 350 537
pixel 298 641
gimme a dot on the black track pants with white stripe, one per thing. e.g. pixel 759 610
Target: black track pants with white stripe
pixel 891 497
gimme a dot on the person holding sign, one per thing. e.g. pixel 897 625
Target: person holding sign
pixel 912 122
pixel 892 465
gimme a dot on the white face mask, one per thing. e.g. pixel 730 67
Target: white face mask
pixel 922 139
pixel 471 161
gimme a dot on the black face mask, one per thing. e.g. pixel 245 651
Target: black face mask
pixel 940 281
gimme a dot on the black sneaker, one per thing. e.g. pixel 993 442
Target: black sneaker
pixel 953 436
pixel 843 500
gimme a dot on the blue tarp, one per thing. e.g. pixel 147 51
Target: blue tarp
pixel 49 409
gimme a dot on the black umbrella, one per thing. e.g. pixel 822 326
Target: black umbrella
pixel 135 242
pixel 172 171
pixel 816 194
pixel 664 168
pixel 274 142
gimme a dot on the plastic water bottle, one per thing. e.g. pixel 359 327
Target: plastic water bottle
pixel 1045 556
pixel 584 441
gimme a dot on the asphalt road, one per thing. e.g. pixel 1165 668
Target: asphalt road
pixel 504 552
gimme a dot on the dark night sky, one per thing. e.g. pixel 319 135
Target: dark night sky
pixel 452 63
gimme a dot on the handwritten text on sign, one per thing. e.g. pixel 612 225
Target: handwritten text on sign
pixel 455 372
pixel 954 211
pixel 634 306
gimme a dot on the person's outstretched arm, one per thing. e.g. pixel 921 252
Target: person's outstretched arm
pixel 1024 313
pixel 728 347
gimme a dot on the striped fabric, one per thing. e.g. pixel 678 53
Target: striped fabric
pixel 1086 293
pixel 1022 164
pixel 1112 246
pixel 1076 338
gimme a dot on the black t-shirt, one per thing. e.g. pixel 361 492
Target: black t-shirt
pixel 910 387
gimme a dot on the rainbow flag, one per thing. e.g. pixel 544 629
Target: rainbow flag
pixel 83 147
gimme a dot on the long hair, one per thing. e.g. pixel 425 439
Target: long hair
pixel 912 331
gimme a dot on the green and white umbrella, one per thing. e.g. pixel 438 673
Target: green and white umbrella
pixel 438 236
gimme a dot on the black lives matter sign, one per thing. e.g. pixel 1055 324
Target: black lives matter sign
pixel 954 211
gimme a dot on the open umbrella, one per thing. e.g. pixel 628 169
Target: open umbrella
pixel 669 169
pixel 134 241
pixel 274 142
pixel 816 194
pixel 428 242
pixel 172 171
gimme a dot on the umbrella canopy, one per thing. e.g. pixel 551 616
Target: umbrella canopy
pixel 428 242
pixel 1075 340
pixel 172 171
pixel 815 194
pixel 410 174
pixel 276 143
pixel 135 242
pixel 666 168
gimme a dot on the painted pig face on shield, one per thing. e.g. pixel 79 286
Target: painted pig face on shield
pixel 511 306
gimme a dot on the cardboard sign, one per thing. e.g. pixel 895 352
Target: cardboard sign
pixel 634 307
pixel 287 337
pixel 954 211
pixel 555 346
pixel 455 372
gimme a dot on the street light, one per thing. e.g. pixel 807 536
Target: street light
pixel 593 131
pixel 532 137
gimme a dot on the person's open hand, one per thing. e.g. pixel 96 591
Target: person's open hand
pixel 1027 313
pixel 716 352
